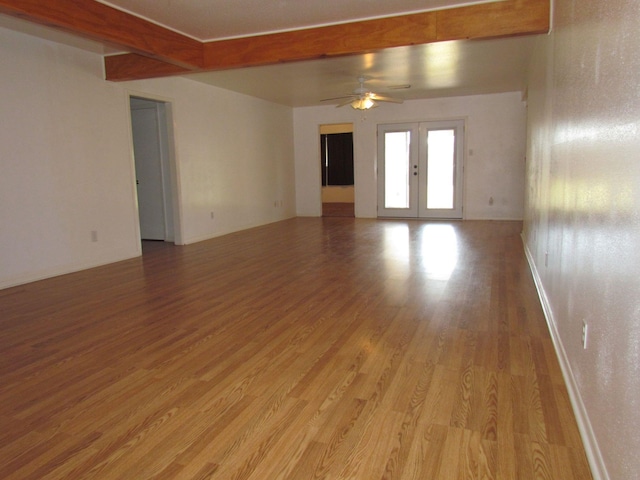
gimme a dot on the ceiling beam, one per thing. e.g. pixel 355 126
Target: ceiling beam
pixel 499 19
pixel 493 20
pixel 159 52
pixel 108 25
pixel 321 42
pixel 487 20
pixel 132 66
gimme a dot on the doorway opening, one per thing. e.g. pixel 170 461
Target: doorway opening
pixel 336 163
pixel 155 172
pixel 420 169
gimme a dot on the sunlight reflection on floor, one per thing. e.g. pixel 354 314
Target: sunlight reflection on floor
pixel 437 250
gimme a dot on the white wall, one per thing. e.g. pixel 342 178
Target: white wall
pixel 234 156
pixel 494 164
pixel 583 215
pixel 67 167
pixel 65 162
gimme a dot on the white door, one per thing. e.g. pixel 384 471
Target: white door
pixel 149 178
pixel 398 170
pixel 420 169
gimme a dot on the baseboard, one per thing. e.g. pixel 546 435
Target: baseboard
pixel 594 456
pixel 494 219
pixel 222 233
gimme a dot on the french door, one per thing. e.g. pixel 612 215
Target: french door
pixel 420 169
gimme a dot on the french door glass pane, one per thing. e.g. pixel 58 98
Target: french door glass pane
pixel 440 168
pixel 397 169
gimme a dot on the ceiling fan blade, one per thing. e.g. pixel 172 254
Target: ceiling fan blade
pixel 362 93
pixel 381 98
pixel 347 102
pixel 338 98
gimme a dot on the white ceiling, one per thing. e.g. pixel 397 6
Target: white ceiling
pixel 433 70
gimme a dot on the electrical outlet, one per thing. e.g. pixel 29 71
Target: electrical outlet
pixel 585 331
pixel 94 235
pixel 212 215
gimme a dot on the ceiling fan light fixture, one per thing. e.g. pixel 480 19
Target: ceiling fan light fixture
pixel 362 98
pixel 363 103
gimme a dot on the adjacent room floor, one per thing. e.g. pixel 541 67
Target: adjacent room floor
pixel 311 348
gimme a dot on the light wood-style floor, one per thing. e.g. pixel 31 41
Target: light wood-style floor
pixel 333 348
pixel 338 210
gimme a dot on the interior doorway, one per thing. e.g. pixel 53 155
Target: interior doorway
pixel 154 181
pixel 420 169
pixel 336 163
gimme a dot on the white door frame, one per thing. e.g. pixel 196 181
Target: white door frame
pixel 171 187
pixel 417 173
pixel 411 172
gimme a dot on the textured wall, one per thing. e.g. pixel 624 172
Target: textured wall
pixel 583 213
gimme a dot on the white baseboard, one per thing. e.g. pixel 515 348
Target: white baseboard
pixel 594 456
pixel 113 257
pixel 228 231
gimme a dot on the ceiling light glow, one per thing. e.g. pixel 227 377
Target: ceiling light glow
pixel 363 103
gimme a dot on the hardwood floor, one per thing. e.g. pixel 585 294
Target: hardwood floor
pixel 332 348
pixel 338 210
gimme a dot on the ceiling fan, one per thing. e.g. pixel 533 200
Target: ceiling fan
pixel 364 99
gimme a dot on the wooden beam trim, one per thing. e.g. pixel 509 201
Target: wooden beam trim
pixel 488 20
pixel 106 24
pixel 498 19
pixel 131 66
pixel 492 20
pixel 321 42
